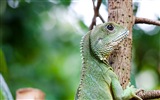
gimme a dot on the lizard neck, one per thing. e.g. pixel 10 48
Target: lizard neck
pixel 92 68
pixel 88 56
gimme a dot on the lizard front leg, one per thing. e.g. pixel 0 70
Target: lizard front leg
pixel 116 89
pixel 120 94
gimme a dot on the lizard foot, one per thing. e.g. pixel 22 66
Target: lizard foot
pixel 133 91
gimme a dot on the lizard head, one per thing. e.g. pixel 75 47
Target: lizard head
pixel 105 37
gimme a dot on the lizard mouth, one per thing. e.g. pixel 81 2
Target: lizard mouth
pixel 121 36
pixel 115 41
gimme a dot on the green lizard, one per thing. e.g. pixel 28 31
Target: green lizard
pixel 98 81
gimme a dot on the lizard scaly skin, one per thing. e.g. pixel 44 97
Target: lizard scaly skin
pixel 98 81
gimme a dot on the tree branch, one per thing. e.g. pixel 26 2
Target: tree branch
pixel 96 13
pixel 98 4
pixel 145 95
pixel 94 17
pixel 94 7
pixel 101 18
pixel 139 20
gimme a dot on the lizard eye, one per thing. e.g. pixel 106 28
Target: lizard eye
pixel 110 27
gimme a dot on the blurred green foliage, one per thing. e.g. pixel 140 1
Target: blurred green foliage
pixel 38 56
pixel 146 54
pixel 40 48
pixel 2 96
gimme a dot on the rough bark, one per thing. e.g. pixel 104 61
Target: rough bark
pixel 120 11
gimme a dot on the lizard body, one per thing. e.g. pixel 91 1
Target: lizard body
pixel 98 81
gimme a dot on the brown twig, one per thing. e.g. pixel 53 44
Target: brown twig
pixel 145 95
pixel 139 20
pixel 96 13
pixel 94 7
pixel 99 4
pixel 101 18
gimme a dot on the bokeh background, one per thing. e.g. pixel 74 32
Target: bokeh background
pixel 39 44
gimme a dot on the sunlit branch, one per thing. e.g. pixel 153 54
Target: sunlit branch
pixel 101 18
pixel 145 95
pixel 139 20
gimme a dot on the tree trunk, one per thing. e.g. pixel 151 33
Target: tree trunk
pixel 120 11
